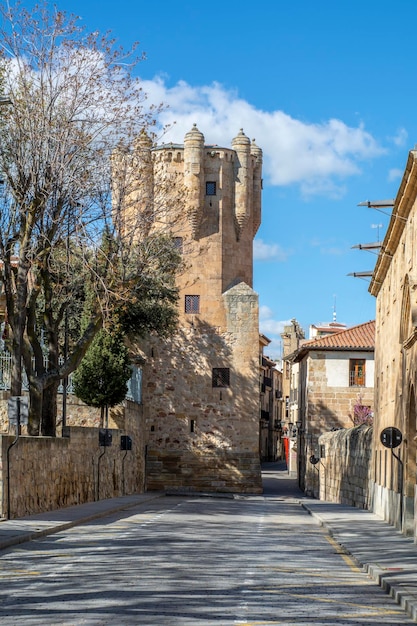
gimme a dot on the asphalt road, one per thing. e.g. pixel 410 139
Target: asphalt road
pixel 193 561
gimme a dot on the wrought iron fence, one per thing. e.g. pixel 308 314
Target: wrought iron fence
pixel 134 384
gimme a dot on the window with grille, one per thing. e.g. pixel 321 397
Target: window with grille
pixel 192 304
pixel 210 188
pixel 221 377
pixel 357 373
pixel 178 244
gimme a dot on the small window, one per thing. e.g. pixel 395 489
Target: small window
pixel 221 377
pixel 210 188
pixel 192 304
pixel 178 244
pixel 357 373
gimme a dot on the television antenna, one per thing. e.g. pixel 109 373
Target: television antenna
pixel 377 226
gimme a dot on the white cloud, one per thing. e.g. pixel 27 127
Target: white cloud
pixel 264 312
pixel 271 326
pixel 328 247
pixel 333 251
pixel 314 155
pixel 274 350
pixel 400 138
pixel 267 324
pixel 395 174
pixel 272 329
pixel 268 252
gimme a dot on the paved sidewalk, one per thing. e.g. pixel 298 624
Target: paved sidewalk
pixel 15 531
pixel 386 555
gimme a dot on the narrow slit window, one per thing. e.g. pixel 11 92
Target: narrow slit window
pixel 221 377
pixel 192 304
pixel 210 188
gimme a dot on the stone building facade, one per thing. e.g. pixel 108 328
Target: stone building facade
pixel 201 387
pixel 270 381
pixel 335 390
pixel 292 337
pixel 394 284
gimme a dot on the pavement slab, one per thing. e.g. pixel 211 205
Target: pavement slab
pixel 384 553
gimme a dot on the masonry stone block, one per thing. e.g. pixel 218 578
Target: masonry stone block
pixel 345 472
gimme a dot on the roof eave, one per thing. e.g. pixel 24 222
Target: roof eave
pixel 402 206
pixel 299 357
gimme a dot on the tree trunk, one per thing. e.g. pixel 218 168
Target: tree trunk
pixel 35 410
pixel 49 410
pixel 16 370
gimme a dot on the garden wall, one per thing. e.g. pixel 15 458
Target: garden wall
pixel 345 466
pixel 47 473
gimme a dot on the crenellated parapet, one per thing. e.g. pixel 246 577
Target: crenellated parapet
pixel 211 188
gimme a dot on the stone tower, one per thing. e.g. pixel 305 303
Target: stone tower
pixel 201 387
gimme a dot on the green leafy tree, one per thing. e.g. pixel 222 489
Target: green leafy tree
pixel 102 376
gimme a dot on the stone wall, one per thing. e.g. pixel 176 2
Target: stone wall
pixel 202 436
pixel 47 473
pixel 323 406
pixel 223 471
pixel 345 468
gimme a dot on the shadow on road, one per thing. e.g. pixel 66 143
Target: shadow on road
pixel 276 482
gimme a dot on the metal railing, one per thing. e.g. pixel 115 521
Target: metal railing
pixel 134 384
pixel 356 380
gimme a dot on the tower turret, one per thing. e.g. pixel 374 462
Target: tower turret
pixel 241 145
pixel 193 176
pixel 143 193
pixel 257 185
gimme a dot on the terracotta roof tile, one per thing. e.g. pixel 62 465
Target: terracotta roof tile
pixel 360 337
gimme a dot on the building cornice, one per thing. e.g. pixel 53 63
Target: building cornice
pixel 404 202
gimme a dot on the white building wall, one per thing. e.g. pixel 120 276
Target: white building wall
pixel 337 368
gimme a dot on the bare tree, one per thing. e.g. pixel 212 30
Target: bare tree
pixel 73 100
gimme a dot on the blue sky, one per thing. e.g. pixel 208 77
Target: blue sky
pixel 328 90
